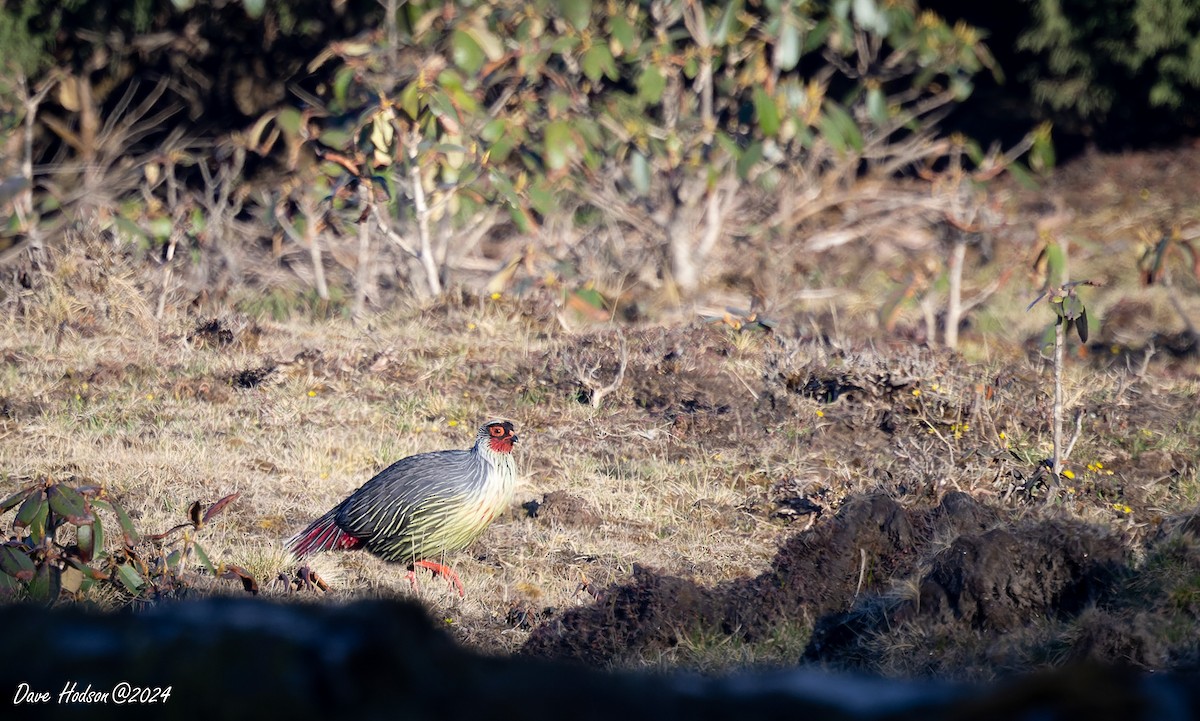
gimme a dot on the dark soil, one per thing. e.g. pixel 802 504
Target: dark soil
pixel 563 508
pixel 879 575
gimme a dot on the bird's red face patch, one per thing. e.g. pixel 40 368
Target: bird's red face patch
pixel 501 437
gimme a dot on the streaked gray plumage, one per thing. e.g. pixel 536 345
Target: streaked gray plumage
pixel 422 506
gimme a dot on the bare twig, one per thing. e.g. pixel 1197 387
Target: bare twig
pixel 176 213
pixel 421 208
pixel 588 378
pixel 362 273
pixel 309 239
pixel 1060 333
pixel 862 571
pixel 954 307
pixel 23 202
pixel 1075 435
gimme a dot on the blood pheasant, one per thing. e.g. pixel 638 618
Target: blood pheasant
pixel 422 506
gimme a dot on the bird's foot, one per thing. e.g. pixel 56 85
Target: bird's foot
pixel 438 570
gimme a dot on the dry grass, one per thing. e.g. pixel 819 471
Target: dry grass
pixel 684 466
pixel 155 419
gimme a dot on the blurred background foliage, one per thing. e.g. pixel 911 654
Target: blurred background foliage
pixel 374 149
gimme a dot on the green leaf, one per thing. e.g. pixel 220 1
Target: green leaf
pixel 289 120
pixel 1072 307
pixel 1041 155
pixel 767 112
pixel 639 172
pixel 341 86
pixel 839 129
pixel 623 32
pixel 441 105
pixel 816 36
pixel 591 297
pixel 35 505
pixel 491 45
pixel 1055 262
pixel 46 584
pixel 1023 176
pixel 598 62
pixel 562 45
pixel 750 157
pixel 869 16
pixel 543 198
pixel 160 228
pixel 130 229
pixel 559 145
pixel 877 105
pixel 788 46
pixel 962 87
pixel 410 100
pixel 335 138
pixel 16 563
pixel 254 8
pixel 728 144
pixel 577 12
pixel 11 502
pixel 129 533
pixel 86 536
pixel 88 571
pixel 499 151
pixel 130 578
pixel 720 32
pixel 651 84
pixel 203 556
pixel 466 52
pixel 519 218
pixel 494 130
pixel 9 585
pixel 69 503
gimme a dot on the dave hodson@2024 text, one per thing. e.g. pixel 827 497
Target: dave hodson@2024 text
pixel 122 693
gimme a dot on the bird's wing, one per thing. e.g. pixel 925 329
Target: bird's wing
pixel 386 503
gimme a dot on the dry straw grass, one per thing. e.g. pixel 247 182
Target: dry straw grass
pixel 93 388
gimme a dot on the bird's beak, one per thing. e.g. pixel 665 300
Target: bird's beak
pixel 516 438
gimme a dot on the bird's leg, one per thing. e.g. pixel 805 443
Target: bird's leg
pixel 444 571
pixel 412 578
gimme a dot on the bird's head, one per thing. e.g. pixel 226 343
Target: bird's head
pixel 498 435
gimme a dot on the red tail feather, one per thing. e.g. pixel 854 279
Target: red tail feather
pixel 322 535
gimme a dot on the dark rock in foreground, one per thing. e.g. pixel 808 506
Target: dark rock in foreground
pixel 247 658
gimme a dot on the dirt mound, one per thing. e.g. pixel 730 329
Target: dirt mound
pixel 818 571
pixel 563 508
pixel 1000 579
pixel 650 612
pixel 966 565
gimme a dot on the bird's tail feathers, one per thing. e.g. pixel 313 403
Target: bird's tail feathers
pixel 322 534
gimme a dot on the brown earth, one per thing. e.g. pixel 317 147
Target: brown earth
pixel 993 576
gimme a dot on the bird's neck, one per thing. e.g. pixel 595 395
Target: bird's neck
pixel 486 449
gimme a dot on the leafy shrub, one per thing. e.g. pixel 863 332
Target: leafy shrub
pixel 1092 53
pixel 59 547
